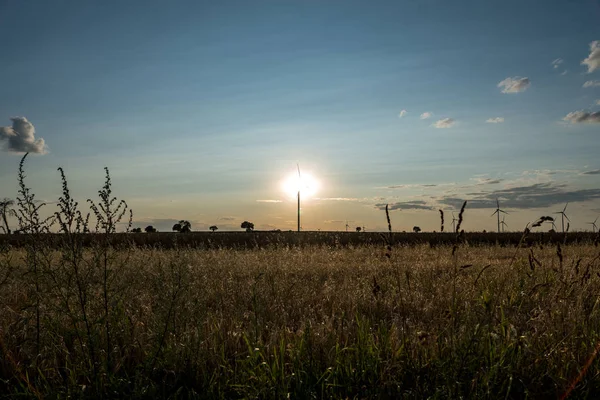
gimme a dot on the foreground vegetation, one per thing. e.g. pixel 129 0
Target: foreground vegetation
pixel 101 315
pixel 486 322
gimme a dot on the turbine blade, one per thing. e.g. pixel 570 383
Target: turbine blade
pixel 565 209
pixel 567 217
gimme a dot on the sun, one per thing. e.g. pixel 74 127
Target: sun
pixel 306 184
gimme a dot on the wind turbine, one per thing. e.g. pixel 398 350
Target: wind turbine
pixel 299 184
pixel 553 226
pixel 563 216
pixel 497 212
pixel 453 222
pixel 503 223
pixel 594 226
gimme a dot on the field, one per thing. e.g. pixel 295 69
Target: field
pixel 314 321
pixel 90 313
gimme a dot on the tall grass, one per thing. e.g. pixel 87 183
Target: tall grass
pixel 279 321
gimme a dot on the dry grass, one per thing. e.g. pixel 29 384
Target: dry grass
pixel 311 322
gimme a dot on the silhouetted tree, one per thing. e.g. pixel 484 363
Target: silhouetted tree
pixel 183 226
pixel 358 228
pixel 416 229
pixel 248 226
pixel 6 210
pixel 136 230
pixel 213 228
pixel 150 229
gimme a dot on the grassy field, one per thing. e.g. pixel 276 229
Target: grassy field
pixel 291 315
pixel 299 322
pixel 250 240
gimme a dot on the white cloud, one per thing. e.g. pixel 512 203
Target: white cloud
pixel 21 137
pixel 593 60
pixel 579 117
pixel 269 201
pixel 564 72
pixel 402 113
pixel 444 123
pixel 556 63
pixel 589 84
pixel 497 120
pixel 427 114
pixel 337 198
pixel 514 85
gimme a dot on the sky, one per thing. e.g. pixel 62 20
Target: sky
pixel 201 109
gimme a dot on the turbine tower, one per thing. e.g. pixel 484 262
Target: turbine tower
pixel 453 222
pixel 299 183
pixel 504 225
pixel 594 226
pixel 563 216
pixel 497 213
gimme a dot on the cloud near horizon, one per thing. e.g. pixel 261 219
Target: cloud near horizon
pixel 402 113
pixel 426 115
pixel 538 195
pixel 515 84
pixel 497 120
pixel 444 123
pixel 405 205
pixel 269 201
pixel 583 117
pixel 593 60
pixel 20 137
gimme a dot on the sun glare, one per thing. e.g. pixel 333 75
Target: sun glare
pixel 306 184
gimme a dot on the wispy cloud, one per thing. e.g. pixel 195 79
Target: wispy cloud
pixel 487 181
pixel 590 84
pixel 269 201
pixel 598 102
pixel 444 123
pixel 427 114
pixel 337 198
pixel 497 120
pixel 20 137
pixel 409 186
pixel 402 113
pixel 593 59
pixel 406 205
pixel 592 172
pixel 515 84
pixel 579 117
pixel 556 63
pixel 226 218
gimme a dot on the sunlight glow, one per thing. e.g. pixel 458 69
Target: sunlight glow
pixel 305 183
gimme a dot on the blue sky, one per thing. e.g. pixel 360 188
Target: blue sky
pixel 202 108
